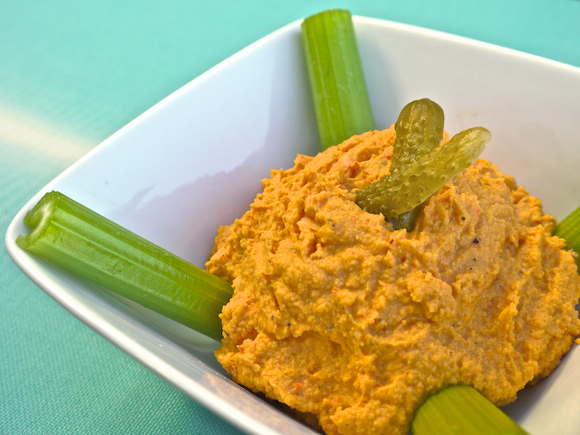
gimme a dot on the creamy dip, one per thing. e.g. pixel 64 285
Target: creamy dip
pixel 337 315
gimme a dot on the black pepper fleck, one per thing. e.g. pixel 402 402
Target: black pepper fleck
pixel 462 218
pixel 476 241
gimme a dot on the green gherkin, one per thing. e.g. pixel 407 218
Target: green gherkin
pixel 419 131
pixel 410 186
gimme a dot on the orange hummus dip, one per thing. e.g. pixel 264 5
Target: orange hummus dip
pixel 337 315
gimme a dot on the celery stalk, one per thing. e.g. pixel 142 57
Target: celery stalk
pixel 339 90
pixel 459 410
pixel 86 243
pixel 569 229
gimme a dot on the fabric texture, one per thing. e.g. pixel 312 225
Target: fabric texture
pixel 72 73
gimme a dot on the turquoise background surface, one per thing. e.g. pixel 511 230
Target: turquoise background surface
pixel 74 72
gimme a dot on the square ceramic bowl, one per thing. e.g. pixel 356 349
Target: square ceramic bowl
pixel 196 160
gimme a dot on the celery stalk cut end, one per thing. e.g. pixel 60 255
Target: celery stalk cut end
pixel 569 230
pixel 37 219
pixel 86 243
pixel 462 410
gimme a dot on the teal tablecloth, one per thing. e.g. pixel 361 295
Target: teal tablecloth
pixel 71 74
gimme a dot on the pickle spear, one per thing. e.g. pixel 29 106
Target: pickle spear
pixel 419 131
pixel 411 186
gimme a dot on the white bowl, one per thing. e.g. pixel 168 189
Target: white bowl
pixel 195 161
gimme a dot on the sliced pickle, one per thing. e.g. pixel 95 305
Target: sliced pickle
pixel 411 186
pixel 419 131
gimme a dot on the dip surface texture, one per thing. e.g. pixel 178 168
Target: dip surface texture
pixel 336 314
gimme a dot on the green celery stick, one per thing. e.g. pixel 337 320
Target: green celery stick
pixel 569 229
pixel 461 410
pixel 339 90
pixel 86 243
